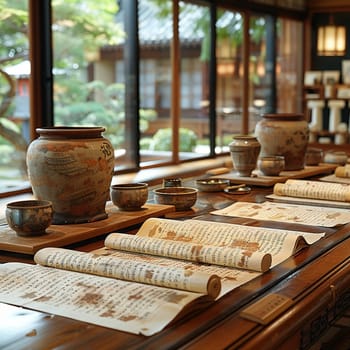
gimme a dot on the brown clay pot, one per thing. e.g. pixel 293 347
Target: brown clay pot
pixel 72 167
pixel 285 135
pixel 244 150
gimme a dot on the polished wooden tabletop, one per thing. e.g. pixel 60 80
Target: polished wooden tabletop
pixel 317 280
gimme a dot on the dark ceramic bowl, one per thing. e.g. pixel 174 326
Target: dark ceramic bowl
pixel 29 217
pixel 129 197
pixel 183 198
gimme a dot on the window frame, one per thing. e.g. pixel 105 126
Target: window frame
pixel 42 78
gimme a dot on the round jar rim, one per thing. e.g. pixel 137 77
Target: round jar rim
pixel 244 137
pixel 284 116
pixel 71 131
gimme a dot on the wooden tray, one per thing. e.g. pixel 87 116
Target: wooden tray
pixel 62 235
pixel 258 179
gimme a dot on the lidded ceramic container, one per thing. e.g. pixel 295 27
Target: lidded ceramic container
pixel 72 167
pixel 284 134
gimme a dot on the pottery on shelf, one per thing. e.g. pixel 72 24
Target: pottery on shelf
pixel 72 167
pixel 284 134
pixel 244 150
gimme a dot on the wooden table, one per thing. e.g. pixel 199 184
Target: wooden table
pixel 317 279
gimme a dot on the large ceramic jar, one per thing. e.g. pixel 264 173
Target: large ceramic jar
pixel 285 135
pixel 72 167
pixel 244 150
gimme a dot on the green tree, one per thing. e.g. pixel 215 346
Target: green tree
pixel 108 110
pixel 14 47
pixel 79 28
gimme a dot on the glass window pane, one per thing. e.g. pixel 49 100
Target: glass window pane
pixel 155 35
pixel 90 65
pixel 194 34
pixel 229 92
pixel 289 68
pixel 260 79
pixel 14 94
pixel 89 82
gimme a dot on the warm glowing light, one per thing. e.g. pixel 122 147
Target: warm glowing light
pixel 331 40
pixel 225 68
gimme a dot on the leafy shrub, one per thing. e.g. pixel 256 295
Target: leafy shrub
pixel 162 140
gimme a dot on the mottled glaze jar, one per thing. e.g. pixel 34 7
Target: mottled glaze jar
pixel 244 150
pixel 72 167
pixel 284 134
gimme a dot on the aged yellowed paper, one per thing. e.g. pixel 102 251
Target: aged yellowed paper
pixel 292 213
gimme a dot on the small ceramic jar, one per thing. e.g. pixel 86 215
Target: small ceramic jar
pixel 244 150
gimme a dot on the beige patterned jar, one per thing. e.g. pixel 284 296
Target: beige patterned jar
pixel 72 167
pixel 244 150
pixel 284 134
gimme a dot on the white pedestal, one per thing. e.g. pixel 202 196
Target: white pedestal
pixel 316 107
pixel 335 107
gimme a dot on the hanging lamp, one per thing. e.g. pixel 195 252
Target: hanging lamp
pixel 331 40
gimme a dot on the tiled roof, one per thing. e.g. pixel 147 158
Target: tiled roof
pixel 155 29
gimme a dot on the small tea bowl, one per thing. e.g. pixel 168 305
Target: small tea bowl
pixel 130 196
pixel 313 156
pixel 183 198
pixel 212 185
pixel 271 165
pixel 172 182
pixel 29 217
pixel 336 157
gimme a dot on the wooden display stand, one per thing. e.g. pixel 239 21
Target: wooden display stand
pixel 62 235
